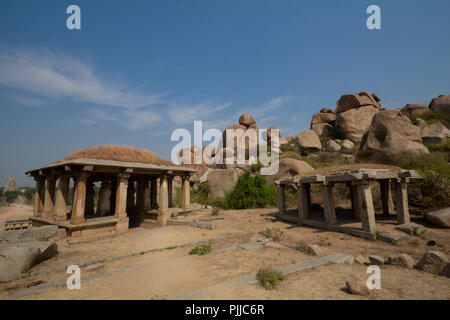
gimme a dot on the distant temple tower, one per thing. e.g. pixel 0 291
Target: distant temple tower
pixel 11 185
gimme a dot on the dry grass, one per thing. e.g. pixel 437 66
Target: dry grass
pixel 350 167
pixel 118 153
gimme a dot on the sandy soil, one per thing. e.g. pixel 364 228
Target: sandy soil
pixel 161 274
pixel 14 212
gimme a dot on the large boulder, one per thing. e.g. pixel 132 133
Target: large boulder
pixel 401 260
pixel 350 101
pixel 221 181
pixel 309 140
pixel 440 218
pixel 332 146
pixel 323 117
pixel 390 134
pixel 288 168
pixel 354 123
pixel 412 110
pixel 433 261
pixel 435 133
pixel 246 120
pixel 441 104
pixel 20 257
pixel 322 128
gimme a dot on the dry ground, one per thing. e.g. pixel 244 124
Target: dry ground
pixel 160 274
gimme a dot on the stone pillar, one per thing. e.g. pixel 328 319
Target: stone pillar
pixel 90 194
pixel 366 206
pixel 49 201
pixel 104 199
pixel 328 204
pixel 170 191
pixel 308 195
pixel 147 196
pixel 185 193
pixel 303 209
pixel 401 201
pixel 79 199
pixel 354 197
pixel 62 193
pixel 131 200
pixel 39 196
pixel 154 194
pixel 112 203
pixel 281 200
pixel 121 196
pixel 386 198
pixel 163 194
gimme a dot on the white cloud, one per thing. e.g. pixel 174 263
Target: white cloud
pixel 52 75
pixel 187 114
pixel 131 119
pixel 27 101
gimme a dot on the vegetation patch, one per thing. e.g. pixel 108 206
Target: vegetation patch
pixel 201 250
pixel 272 233
pixel 269 278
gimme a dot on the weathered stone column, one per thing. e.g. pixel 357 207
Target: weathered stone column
pixel 185 193
pixel 112 203
pixel 90 194
pixel 49 202
pixel 147 196
pixel 170 191
pixel 366 206
pixel 401 201
pixel 121 196
pixel 62 193
pixel 328 204
pixel 385 193
pixel 154 194
pixel 354 197
pixel 303 209
pixel 163 194
pixel 104 199
pixel 281 200
pixel 39 196
pixel 79 199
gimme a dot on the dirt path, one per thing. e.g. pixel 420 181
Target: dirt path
pixel 160 274
pixel 14 212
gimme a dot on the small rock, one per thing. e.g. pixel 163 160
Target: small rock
pixel 357 287
pixel 361 260
pixel 390 237
pixel 401 260
pixel 433 261
pixel 446 271
pixel 347 144
pixel 440 218
pixel 376 260
pixel 332 146
pixel 315 250
pixel 411 228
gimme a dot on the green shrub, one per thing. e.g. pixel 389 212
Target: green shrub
pixel 269 277
pixel 435 186
pixel 272 233
pixel 10 196
pixel 327 159
pixel 291 154
pixel 444 146
pixel 250 192
pixel 215 212
pixel 295 147
pixel 431 117
pixel 201 250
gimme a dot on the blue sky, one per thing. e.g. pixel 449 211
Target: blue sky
pixel 139 69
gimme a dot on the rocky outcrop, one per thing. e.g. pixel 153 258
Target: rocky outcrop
pixel 309 140
pixel 412 110
pixel 440 104
pixel 288 168
pixel 435 133
pixel 357 100
pixel 322 129
pixel 323 121
pixel 440 218
pixel 390 134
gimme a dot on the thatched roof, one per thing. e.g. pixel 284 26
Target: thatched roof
pixel 119 153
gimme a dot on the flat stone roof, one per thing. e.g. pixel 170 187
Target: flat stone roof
pixel 354 175
pixel 112 163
